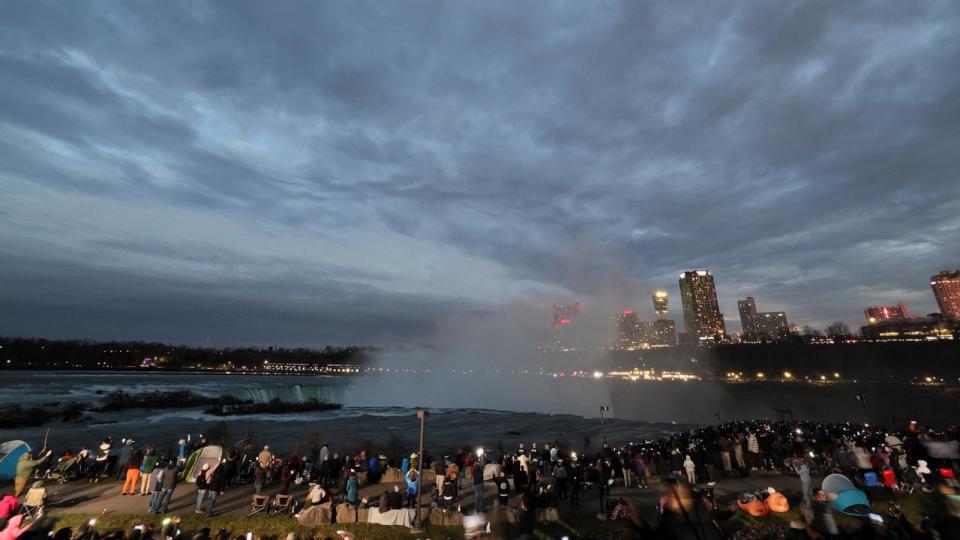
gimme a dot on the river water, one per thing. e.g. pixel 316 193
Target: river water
pixel 466 409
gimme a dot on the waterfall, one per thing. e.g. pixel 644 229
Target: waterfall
pixel 296 393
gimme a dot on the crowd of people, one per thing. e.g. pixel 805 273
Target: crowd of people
pixel 555 475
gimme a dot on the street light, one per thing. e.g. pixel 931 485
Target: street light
pixel 603 426
pixel 418 521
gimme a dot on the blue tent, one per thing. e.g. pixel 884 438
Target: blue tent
pixel 10 453
pixel 852 502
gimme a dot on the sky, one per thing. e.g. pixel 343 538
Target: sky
pixel 312 173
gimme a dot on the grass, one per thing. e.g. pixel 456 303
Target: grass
pixel 261 526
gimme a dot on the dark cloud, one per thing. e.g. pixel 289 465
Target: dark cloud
pixel 363 172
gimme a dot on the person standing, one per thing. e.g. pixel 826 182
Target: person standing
pixel 146 471
pixel 352 488
pixel 215 488
pixel 725 454
pixel 167 482
pixel 802 468
pixel 690 467
pixel 259 478
pixel 230 469
pixel 753 451
pixel 412 481
pixel 563 480
pixel 123 458
pixel 478 486
pixel 182 449
pixel 503 489
pixel 640 468
pixel 25 468
pixel 576 480
pixel 134 463
pixel 203 487
pixel 102 460
pixel 286 476
pixel 676 463
pixel 738 453
pixel 265 457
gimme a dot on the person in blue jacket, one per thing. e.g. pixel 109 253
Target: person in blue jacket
pixel 412 481
pixel 352 488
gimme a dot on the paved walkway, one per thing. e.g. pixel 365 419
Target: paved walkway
pixel 104 497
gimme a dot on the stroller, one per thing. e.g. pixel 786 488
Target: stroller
pixel 66 469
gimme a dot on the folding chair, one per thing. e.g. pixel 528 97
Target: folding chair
pixel 258 505
pixel 282 504
pixel 32 506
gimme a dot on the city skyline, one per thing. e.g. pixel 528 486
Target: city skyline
pixel 389 173
pixel 945 287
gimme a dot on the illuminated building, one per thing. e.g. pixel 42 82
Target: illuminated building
pixel 660 304
pixel 563 314
pixel 876 314
pixel 629 333
pixel 931 328
pixel 701 311
pixel 748 318
pixel 762 326
pixel 660 333
pixel 946 288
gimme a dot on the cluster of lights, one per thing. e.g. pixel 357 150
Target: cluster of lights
pixel 301 368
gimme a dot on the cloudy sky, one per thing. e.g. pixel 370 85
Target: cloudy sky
pixel 344 172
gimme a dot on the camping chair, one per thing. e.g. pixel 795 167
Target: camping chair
pixel 32 506
pixel 282 504
pixel 258 505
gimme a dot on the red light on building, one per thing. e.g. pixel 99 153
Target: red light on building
pixel 628 312
pixel 564 321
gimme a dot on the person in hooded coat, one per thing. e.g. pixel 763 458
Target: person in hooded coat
pixel 123 457
pixel 353 487
pixel 25 468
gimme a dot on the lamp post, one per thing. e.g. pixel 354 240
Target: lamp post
pixel 603 425
pixel 418 521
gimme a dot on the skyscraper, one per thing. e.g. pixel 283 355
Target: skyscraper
pixel 629 331
pixel 701 310
pixel 876 314
pixel 766 326
pixel 660 304
pixel 748 318
pixel 946 287
pixel 563 314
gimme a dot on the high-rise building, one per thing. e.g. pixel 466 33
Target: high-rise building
pixel 661 304
pixel 946 287
pixel 660 333
pixel 701 310
pixel 629 334
pixel 748 318
pixel 876 314
pixel 761 326
pixel 563 314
